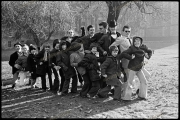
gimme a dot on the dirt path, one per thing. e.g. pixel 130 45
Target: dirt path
pixel 162 97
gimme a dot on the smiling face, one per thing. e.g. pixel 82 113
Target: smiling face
pixel 18 48
pixel 25 49
pixel 91 31
pixel 137 42
pixel 70 33
pixel 94 50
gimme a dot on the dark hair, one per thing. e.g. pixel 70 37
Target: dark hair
pixel 90 26
pixel 104 24
pixel 126 26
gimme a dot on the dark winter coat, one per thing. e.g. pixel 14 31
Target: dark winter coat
pixel 41 69
pixel 54 53
pixel 139 52
pixel 63 60
pixel 111 67
pixel 31 63
pixel 146 49
pixel 13 58
pixel 91 64
pixel 85 40
pixel 105 41
pixel 103 45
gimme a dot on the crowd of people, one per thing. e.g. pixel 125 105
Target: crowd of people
pixel 104 62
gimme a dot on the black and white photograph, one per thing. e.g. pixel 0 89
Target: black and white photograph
pixel 90 59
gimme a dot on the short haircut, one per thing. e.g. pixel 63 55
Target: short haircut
pixel 90 26
pixel 104 24
pixel 126 26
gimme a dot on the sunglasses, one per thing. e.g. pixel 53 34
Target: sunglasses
pixel 127 31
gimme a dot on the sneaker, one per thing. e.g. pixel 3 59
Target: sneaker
pixel 59 93
pixel 88 95
pixel 96 96
pixel 140 98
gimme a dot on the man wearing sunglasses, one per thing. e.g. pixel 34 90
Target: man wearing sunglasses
pixel 124 42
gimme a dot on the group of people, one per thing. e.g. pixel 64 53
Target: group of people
pixel 104 62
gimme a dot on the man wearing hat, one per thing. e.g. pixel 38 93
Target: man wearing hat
pixel 13 57
pixel 106 40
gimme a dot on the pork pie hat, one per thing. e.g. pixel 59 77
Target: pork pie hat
pixel 112 23
pixel 18 43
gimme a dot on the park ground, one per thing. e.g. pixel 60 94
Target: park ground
pixel 162 102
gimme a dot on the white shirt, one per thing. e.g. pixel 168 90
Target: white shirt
pixel 124 44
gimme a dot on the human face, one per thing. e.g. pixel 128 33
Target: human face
pixel 57 47
pixel 127 32
pixel 70 33
pixel 64 47
pixel 113 29
pixel 115 52
pixel 17 47
pixel 24 49
pixel 47 48
pixel 94 50
pixel 102 29
pixel 91 31
pixel 137 42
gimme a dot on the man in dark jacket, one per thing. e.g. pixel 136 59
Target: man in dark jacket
pixel 105 41
pixel 13 57
pixel 86 40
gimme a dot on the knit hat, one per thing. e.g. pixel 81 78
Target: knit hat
pixel 18 43
pixel 112 23
pixel 113 48
pixel 137 37
pixel 93 45
pixel 32 47
pixel 75 46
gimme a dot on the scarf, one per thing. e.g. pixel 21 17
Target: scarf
pixel 45 56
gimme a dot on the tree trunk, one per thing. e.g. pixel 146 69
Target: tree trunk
pixel 36 39
pixel 115 9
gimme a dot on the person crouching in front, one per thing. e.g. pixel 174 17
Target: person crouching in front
pixel 90 62
pixel 111 71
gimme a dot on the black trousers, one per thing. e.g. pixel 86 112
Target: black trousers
pixel 66 85
pixel 87 85
pixel 43 79
pixel 94 88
